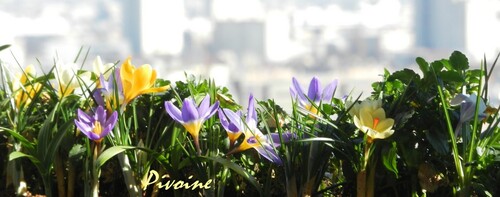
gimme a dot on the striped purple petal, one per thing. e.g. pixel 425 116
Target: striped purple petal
pixel 251 118
pixel 189 111
pixel 100 114
pixel 211 111
pixel 98 97
pixel 84 117
pixel 298 90
pixel 173 111
pixel 84 127
pixel 329 91
pixel 204 106
pixel 268 152
pixel 286 137
pixel 314 92
pixel 231 121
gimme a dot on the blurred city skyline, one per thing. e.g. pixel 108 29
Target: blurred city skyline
pixel 255 46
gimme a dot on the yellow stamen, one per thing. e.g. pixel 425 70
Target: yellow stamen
pixel 97 128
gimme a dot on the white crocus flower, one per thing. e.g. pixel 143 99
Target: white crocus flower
pixel 468 106
pixel 68 82
pixel 369 117
pixel 100 68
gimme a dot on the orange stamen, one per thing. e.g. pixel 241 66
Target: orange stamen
pixel 375 122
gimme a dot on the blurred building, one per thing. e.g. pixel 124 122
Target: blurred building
pixel 440 24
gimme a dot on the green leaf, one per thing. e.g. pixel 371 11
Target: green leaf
pixel 4 47
pixel 446 64
pixel 25 142
pixel 424 66
pixel 45 134
pixel 405 76
pixel 54 143
pixel 459 61
pixel 17 155
pixel 238 169
pixel 389 157
pixel 76 152
pixel 451 76
pixel 438 141
pixel 437 66
pixel 110 153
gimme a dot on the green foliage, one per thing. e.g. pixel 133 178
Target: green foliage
pixel 324 157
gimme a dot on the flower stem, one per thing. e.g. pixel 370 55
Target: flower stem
pixel 95 170
pixel 71 179
pixel 59 165
pixel 132 186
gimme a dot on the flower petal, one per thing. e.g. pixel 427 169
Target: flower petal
pixel 301 96
pixel 173 111
pixel 385 125
pixel 269 153
pixel 127 70
pixel 97 97
pixel 223 119
pixel 459 98
pixel 252 113
pixel 100 114
pixel 313 92
pixel 287 136
pixel 112 120
pixel 84 117
pixel 382 135
pixel 211 111
pixel 92 136
pixel 84 127
pixel 234 118
pixel 379 113
pixel 142 77
pixel 329 91
pixel 366 118
pixel 154 90
pixel 204 105
pixel 189 112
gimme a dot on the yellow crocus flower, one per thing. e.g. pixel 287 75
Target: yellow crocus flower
pixel 24 95
pixel 369 117
pixel 138 81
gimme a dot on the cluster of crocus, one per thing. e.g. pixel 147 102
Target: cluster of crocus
pixel 24 89
pixel 97 124
pixel 192 117
pixel 314 95
pixel 254 138
pixel 369 117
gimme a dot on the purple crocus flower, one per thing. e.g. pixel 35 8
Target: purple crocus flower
pixel 314 94
pixel 254 138
pixel 108 89
pixel 232 123
pixel 96 126
pixel 192 117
